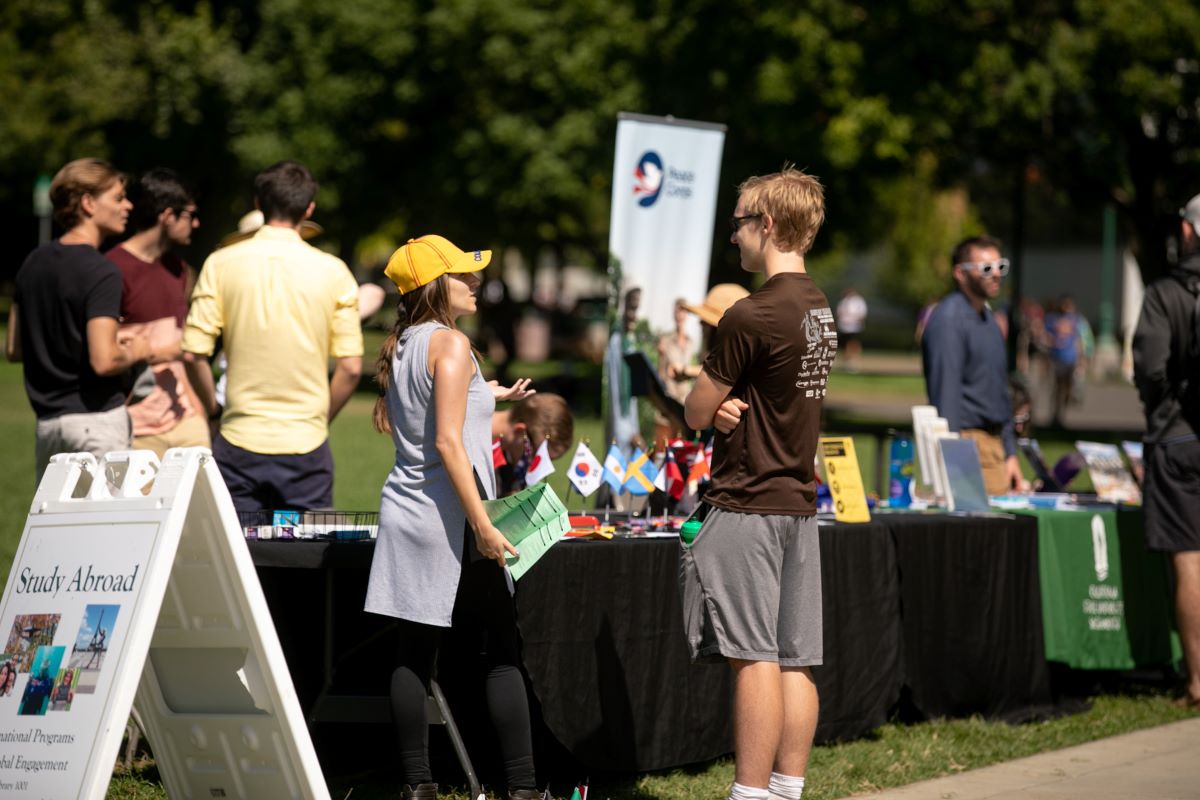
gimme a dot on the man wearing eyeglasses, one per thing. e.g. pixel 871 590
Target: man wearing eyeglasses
pixel 1166 369
pixel 155 285
pixel 966 367
pixel 751 579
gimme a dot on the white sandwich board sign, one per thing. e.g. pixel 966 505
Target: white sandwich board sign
pixel 132 587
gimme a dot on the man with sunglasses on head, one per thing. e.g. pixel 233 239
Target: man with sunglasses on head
pixel 965 364
pixel 155 286
pixel 1166 369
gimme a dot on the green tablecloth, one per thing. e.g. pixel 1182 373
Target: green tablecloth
pixel 1106 603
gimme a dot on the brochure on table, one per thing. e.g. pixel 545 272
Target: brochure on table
pixel 1134 451
pixel 132 585
pixel 844 479
pixel 921 415
pixel 959 459
pixel 941 481
pixel 1109 476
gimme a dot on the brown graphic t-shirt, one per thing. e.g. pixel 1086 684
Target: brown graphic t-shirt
pixel 775 349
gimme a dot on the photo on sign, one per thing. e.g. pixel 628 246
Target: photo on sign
pixel 63 693
pixel 29 632
pixel 91 644
pixel 8 674
pixel 46 662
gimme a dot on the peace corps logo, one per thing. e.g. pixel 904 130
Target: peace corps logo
pixel 648 179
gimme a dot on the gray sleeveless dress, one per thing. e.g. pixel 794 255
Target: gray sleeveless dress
pixel 419 551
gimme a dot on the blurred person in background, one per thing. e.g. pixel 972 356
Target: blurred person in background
pixel 851 320
pixel 1031 337
pixel 519 430
pixel 156 286
pixel 1065 349
pixel 64 321
pixel 622 420
pixel 719 299
pixel 676 352
pixel 282 309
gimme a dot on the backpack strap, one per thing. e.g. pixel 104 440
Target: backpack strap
pixel 1190 281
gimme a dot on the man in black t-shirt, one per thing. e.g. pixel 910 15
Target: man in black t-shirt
pixel 64 316
pixel 751 579
pixel 1166 370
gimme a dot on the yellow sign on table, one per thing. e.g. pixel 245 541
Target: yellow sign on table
pixel 844 479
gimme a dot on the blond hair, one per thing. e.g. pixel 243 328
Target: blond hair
pixel 81 177
pixel 794 200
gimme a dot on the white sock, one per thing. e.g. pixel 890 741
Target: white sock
pixel 785 787
pixel 740 792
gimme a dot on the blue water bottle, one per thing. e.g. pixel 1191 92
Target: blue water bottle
pixel 900 473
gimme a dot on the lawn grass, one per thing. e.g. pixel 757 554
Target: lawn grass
pixel 906 389
pixel 894 755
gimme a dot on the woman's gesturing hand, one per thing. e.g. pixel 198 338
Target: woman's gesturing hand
pixel 518 391
pixel 492 544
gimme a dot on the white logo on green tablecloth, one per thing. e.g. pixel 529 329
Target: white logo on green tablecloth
pixel 1103 607
pixel 1100 547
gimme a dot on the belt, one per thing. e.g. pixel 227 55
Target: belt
pixel 989 429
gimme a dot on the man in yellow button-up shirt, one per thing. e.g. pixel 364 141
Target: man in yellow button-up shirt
pixel 282 309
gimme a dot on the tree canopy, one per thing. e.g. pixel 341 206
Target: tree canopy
pixel 493 121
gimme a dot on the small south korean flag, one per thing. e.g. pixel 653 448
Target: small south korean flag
pixel 540 465
pixel 585 471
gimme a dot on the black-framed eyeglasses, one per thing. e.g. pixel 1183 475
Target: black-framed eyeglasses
pixel 190 214
pixel 735 222
pixel 986 268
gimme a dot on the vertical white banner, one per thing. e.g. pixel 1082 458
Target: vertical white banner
pixel 665 180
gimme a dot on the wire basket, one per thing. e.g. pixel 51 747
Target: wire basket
pixel 341 526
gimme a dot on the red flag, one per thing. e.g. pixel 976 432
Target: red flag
pixel 498 459
pixel 675 483
pixel 698 472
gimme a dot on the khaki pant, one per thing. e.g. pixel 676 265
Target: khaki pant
pixel 991 458
pixel 192 431
pixel 96 433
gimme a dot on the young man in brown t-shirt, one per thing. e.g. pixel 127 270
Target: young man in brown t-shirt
pixel 751 580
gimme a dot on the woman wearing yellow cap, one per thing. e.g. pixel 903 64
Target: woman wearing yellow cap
pixel 439 562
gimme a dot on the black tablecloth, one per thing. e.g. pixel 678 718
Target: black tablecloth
pixel 863 672
pixel 948 606
pixel 971 614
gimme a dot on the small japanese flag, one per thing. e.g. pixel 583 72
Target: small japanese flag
pixel 540 465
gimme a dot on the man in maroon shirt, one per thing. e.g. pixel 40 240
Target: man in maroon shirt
pixel 156 284
pixel 751 579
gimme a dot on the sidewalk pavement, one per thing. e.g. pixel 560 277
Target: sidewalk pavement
pixel 1155 764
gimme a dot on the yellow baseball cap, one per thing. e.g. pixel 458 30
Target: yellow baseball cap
pixel 426 258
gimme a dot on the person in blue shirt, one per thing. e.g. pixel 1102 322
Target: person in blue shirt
pixel 965 365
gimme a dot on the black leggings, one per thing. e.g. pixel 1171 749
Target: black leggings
pixel 484 627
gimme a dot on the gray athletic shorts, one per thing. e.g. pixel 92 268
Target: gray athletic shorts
pixel 750 585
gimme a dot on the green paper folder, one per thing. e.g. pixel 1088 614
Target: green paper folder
pixel 533 520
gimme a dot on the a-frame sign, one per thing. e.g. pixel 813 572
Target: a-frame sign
pixel 132 586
